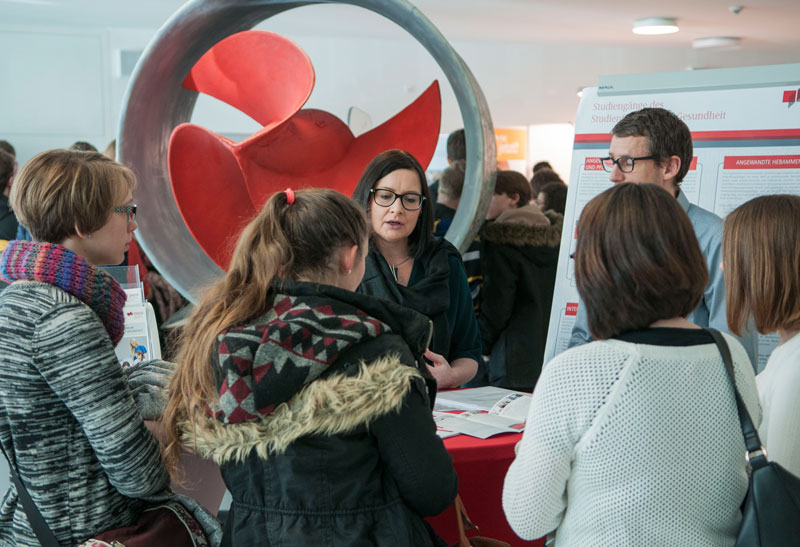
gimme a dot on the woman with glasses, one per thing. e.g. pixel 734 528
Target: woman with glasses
pixel 409 266
pixel 69 425
pixel 761 259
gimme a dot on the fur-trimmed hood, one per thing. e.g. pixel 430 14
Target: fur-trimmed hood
pixel 330 405
pixel 525 235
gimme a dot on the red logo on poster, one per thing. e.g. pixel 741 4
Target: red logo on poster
pixel 791 96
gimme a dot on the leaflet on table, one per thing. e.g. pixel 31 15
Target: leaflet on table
pixel 475 424
pixel 495 400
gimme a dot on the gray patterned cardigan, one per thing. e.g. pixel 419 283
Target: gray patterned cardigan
pixel 67 420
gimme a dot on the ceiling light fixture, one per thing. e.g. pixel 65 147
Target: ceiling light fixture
pixel 655 25
pixel 717 42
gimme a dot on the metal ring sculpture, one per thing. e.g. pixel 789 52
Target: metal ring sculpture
pixel 155 103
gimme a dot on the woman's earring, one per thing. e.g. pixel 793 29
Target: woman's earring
pixel 89 236
pixel 349 271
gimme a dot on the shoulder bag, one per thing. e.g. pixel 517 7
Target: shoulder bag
pixel 465 525
pixel 165 523
pixel 771 509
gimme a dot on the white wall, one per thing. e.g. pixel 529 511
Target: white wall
pixel 59 85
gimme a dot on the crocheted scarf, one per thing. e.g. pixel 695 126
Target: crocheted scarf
pixel 58 266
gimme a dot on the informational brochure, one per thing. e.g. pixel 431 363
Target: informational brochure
pixel 476 424
pixel 487 410
pixel 139 341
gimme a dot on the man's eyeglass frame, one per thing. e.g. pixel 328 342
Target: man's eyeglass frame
pixel 609 160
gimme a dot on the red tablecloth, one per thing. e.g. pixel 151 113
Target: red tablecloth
pixel 481 465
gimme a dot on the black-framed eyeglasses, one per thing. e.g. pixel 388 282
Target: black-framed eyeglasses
pixel 625 163
pixel 411 201
pixel 129 210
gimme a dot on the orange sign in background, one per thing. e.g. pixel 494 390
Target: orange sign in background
pixel 512 143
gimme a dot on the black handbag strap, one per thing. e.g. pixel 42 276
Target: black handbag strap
pixel 756 454
pixel 43 532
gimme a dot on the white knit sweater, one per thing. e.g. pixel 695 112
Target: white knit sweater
pixel 778 388
pixel 633 444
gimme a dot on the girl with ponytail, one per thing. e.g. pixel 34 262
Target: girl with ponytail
pixel 309 395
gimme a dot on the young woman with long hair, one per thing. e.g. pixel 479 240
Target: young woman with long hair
pixel 307 394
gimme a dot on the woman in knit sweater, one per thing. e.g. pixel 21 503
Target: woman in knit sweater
pixel 761 255
pixel 634 439
pixel 68 422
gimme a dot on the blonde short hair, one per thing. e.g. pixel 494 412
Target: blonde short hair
pixel 60 190
pixel 761 261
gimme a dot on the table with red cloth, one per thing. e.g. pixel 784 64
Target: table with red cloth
pixel 481 465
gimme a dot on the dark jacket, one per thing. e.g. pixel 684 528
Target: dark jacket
pixel 8 222
pixel 352 457
pixel 519 263
pixel 438 289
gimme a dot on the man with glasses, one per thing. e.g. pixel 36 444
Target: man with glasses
pixel 653 145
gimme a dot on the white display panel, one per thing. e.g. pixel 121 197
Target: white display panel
pixel 746 144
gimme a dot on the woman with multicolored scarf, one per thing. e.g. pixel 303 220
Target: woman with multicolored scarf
pixel 309 395
pixel 69 423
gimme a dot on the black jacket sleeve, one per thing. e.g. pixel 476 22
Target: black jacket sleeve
pixel 498 294
pixel 415 456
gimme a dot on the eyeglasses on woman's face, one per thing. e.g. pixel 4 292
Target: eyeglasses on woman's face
pixel 411 201
pixel 129 210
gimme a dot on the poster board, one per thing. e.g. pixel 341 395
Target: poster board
pixel 745 126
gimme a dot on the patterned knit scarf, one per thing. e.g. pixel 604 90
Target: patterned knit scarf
pixel 58 266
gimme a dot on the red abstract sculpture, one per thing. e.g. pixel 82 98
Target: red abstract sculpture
pixel 220 185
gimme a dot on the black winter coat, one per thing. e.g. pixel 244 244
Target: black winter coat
pixel 519 271
pixel 352 458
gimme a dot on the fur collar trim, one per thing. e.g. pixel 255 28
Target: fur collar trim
pixel 327 406
pixel 521 235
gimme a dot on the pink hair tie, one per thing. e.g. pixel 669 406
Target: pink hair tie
pixel 289 196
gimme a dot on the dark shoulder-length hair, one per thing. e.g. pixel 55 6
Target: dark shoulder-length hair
pixel 388 162
pixel 637 260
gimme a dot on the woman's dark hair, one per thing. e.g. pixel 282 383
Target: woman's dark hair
pixel 637 260
pixel 388 162
pixel 555 196
pixel 542 177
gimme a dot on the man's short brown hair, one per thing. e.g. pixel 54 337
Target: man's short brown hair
pixel 451 183
pixel 60 190
pixel 637 260
pixel 667 135
pixel 761 261
pixel 512 182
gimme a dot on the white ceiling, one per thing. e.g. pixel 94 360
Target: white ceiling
pixel 566 44
pixel 765 25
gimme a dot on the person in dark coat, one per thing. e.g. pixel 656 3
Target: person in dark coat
pixel 408 266
pixel 519 256
pixel 309 395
